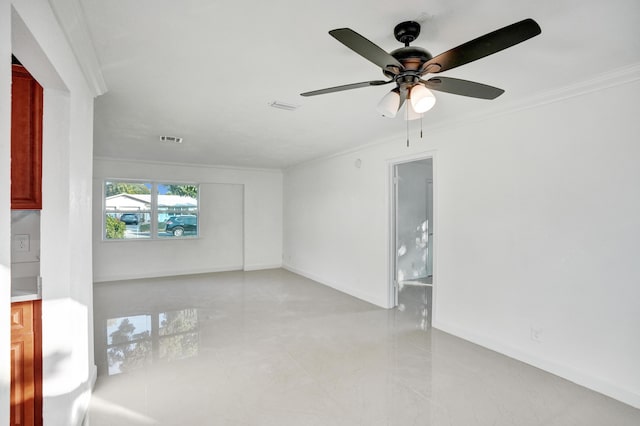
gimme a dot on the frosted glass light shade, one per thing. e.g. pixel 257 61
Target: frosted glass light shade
pixel 422 100
pixel 388 105
pixel 410 113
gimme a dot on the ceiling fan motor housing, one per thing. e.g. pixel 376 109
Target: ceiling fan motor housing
pixel 412 58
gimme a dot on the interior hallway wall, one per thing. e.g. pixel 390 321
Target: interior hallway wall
pixel 67 298
pixel 5 207
pixel 537 226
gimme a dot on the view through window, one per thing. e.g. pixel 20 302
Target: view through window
pixel 148 210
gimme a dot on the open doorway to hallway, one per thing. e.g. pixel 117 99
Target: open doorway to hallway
pixel 412 241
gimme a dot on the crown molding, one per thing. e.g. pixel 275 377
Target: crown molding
pixel 616 77
pixel 613 78
pixel 183 164
pixel 72 20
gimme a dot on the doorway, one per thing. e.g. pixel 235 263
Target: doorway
pixel 412 241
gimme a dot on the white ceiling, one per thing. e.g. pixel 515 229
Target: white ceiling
pixel 207 70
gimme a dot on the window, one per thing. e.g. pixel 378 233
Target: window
pixel 150 210
pixel 177 210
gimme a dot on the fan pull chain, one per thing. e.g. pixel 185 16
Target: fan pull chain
pixel 421 117
pixel 407 120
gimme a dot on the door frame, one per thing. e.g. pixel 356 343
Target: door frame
pixel 391 164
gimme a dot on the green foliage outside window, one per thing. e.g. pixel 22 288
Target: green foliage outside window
pixel 184 190
pixel 115 228
pixel 115 188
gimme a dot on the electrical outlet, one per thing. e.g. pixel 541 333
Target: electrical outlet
pixel 536 334
pixel 21 242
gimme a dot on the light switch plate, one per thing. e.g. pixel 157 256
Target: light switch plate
pixel 21 242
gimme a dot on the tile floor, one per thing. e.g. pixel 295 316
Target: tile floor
pixel 273 348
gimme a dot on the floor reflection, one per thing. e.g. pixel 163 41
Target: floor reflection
pixel 415 301
pixel 137 340
pixel 265 348
pixel 128 343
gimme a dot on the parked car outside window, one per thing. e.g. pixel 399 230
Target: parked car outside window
pixel 178 225
pixel 129 218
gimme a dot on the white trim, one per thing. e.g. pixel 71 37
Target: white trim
pixel 391 164
pixel 244 236
pixel 160 274
pixel 200 165
pixel 72 21
pixel 615 77
pixel 565 371
pixel 414 156
pixel 374 300
pixel 93 376
pixel 153 209
pixel 342 153
pixel 391 234
pixel 262 266
pixel 436 235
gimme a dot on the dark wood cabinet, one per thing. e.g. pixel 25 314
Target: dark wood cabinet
pixel 26 364
pixel 26 141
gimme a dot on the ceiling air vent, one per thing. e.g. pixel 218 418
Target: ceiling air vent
pixel 173 139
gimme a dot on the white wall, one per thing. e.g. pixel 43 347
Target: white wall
pixel 5 207
pixel 25 263
pixel 68 366
pixel 257 245
pixel 537 225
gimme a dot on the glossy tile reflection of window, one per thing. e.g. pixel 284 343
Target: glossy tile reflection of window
pixel 136 341
pixel 178 334
pixel 128 343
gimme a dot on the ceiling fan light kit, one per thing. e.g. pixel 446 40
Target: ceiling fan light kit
pixel 408 65
pixel 422 99
pixel 389 104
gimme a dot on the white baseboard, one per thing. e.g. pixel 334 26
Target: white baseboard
pixel 566 372
pixel 93 376
pixel 159 274
pixel 340 287
pixel 258 267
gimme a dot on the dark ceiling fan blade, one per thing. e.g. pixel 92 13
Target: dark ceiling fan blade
pixel 485 45
pixel 366 48
pixel 346 87
pixel 462 87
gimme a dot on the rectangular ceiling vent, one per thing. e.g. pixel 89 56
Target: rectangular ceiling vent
pixel 284 105
pixel 173 139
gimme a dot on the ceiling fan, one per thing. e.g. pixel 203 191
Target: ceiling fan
pixel 408 65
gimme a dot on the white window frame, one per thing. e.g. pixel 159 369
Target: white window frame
pixel 153 212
